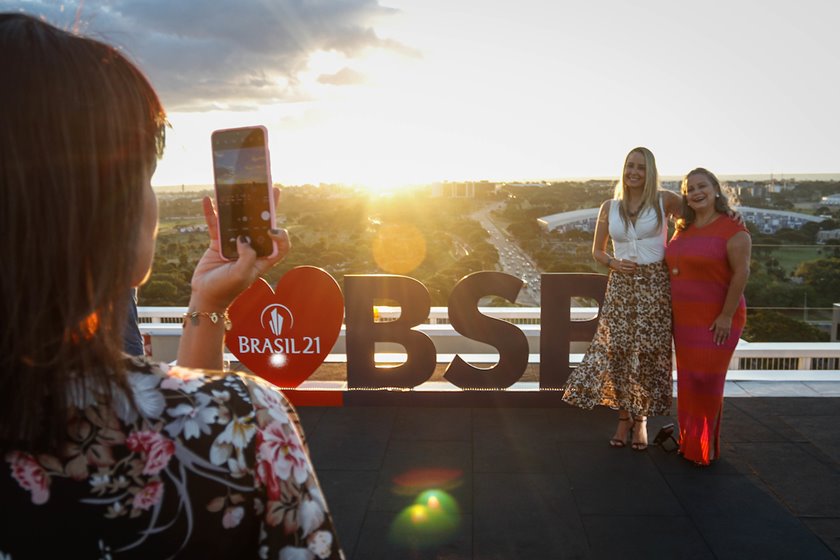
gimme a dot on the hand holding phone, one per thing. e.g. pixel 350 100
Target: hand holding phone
pixel 244 201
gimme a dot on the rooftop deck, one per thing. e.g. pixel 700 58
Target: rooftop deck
pixel 543 483
pixel 465 479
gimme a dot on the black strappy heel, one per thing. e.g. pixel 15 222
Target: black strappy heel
pixel 618 443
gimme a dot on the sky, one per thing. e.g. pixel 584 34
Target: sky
pixel 386 93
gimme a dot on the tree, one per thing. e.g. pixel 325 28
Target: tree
pixel 158 292
pixel 527 229
pixel 770 326
pixel 823 275
pixel 782 203
pixel 793 236
pixel 774 269
pixel 764 290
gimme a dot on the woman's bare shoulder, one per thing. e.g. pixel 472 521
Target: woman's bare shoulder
pixel 604 212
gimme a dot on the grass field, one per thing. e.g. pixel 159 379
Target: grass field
pixel 790 257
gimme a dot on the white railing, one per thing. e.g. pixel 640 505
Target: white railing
pixel 437 315
pixel 758 361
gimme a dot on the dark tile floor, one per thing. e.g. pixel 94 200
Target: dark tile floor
pixel 410 482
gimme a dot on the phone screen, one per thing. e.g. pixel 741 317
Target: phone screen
pixel 243 189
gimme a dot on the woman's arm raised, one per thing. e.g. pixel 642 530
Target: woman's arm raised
pixel 215 284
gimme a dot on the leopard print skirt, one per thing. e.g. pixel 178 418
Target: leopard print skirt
pixel 628 364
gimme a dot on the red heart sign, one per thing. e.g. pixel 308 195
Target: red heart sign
pixel 283 335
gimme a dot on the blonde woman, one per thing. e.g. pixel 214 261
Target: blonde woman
pixel 628 364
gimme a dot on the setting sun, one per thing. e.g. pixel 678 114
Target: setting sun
pixel 532 92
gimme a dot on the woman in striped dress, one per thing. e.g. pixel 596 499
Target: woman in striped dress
pixel 709 263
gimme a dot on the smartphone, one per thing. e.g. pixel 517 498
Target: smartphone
pixel 244 201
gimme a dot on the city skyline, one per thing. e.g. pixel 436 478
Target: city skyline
pixel 393 92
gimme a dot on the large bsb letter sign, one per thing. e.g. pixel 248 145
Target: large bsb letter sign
pixel 285 335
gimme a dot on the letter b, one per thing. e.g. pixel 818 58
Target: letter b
pixel 363 333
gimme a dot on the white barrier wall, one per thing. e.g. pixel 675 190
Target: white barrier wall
pixel 771 361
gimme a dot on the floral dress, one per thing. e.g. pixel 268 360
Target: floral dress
pixel 628 365
pixel 204 467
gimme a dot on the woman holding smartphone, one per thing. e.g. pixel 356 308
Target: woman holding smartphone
pixel 107 455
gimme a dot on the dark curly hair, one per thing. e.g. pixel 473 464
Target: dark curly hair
pixel 721 200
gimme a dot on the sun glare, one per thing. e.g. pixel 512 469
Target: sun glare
pixel 458 105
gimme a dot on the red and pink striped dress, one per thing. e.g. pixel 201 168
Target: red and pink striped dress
pixel 700 275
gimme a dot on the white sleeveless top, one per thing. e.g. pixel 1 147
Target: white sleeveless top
pixel 643 242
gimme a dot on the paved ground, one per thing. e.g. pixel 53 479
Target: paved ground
pixel 542 483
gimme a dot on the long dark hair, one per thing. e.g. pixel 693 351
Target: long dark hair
pixel 81 131
pixel 721 200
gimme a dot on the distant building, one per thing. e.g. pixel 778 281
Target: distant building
pixel 581 220
pixel 774 187
pixel 831 200
pixel 826 235
pixel 747 188
pixel 770 221
pixel 466 189
pixel 524 184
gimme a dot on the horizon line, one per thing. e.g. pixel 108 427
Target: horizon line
pixel 814 176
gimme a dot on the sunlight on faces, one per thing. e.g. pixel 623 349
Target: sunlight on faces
pixel 399 248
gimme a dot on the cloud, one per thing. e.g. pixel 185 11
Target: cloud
pixel 230 54
pixel 344 77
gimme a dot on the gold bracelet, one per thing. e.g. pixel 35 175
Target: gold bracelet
pixel 212 315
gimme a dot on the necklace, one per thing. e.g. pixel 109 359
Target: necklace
pixel 635 213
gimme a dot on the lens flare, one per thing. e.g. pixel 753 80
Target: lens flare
pixel 399 248
pixel 415 481
pixel 278 360
pixel 438 500
pixel 418 514
pixel 433 519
